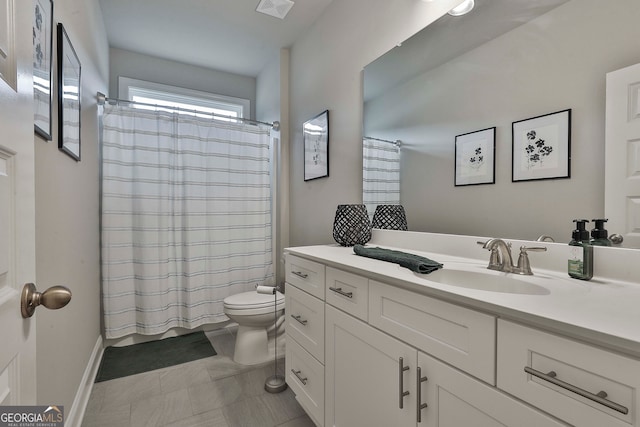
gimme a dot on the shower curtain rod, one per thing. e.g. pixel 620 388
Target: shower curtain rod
pixel 397 142
pixel 102 99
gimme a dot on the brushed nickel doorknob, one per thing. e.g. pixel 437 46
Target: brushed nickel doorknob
pixel 53 298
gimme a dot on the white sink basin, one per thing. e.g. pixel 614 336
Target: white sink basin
pixel 487 280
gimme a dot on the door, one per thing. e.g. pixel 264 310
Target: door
pixel 450 398
pixel 365 383
pixel 17 224
pixel 622 155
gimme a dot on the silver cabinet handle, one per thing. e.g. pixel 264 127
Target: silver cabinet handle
pixel 402 393
pixel 600 397
pixel 300 274
pixel 297 374
pixel 341 292
pixel 299 319
pixel 420 379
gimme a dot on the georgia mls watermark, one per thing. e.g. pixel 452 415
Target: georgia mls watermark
pixel 32 416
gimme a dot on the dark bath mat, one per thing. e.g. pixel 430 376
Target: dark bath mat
pixel 118 362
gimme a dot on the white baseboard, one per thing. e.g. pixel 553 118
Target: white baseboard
pixel 79 406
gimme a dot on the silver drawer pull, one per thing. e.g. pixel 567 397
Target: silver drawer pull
pixel 341 292
pixel 299 319
pixel 598 398
pixel 402 393
pixel 300 274
pixel 297 374
pixel 420 379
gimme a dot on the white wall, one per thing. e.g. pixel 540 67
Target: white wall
pixel 555 62
pixel 67 209
pixel 272 104
pixel 325 73
pixel 143 67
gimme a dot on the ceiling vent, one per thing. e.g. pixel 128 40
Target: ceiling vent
pixel 276 8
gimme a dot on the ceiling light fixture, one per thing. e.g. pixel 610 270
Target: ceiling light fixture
pixel 275 8
pixel 463 8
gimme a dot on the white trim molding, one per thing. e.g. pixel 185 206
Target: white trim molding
pixel 79 406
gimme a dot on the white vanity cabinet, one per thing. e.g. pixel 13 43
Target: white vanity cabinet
pixel 386 355
pixel 383 373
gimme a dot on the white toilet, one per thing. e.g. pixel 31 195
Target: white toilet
pixel 254 314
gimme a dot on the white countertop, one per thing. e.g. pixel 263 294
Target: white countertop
pixel 600 311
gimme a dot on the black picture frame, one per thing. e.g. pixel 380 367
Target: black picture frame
pixel 475 158
pixel 316 146
pixel 42 67
pixel 541 147
pixel 69 93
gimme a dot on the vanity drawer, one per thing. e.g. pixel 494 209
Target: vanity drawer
pixel 581 373
pixel 461 337
pixel 305 321
pixel 306 275
pixel 305 376
pixel 348 292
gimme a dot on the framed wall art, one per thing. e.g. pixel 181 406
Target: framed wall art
pixel 542 147
pixel 316 146
pixel 69 83
pixel 475 158
pixel 42 60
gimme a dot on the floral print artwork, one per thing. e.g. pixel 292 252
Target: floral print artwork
pixel 539 148
pixel 475 157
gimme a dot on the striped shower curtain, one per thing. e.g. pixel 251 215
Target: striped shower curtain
pixel 186 218
pixel 380 174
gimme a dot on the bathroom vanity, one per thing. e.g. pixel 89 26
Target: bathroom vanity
pixel 371 343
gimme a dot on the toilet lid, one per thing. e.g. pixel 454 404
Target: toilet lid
pixel 251 300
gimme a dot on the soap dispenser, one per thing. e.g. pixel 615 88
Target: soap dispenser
pixel 599 236
pixel 580 264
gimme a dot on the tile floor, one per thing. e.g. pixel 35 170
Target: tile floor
pixel 211 392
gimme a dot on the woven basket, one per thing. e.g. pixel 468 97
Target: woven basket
pixel 351 225
pixel 390 217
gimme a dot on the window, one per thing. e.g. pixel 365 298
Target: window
pixel 188 101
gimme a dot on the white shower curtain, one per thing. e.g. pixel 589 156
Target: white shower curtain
pixel 380 174
pixel 186 218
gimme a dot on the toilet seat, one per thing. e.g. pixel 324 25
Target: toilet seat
pixel 252 303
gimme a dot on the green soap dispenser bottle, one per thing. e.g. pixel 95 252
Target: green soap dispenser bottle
pixel 599 236
pixel 581 252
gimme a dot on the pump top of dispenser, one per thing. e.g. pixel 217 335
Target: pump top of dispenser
pixel 580 234
pixel 598 231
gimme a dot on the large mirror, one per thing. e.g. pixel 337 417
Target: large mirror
pixel 506 61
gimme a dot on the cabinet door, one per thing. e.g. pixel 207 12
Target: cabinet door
pixel 364 379
pixel 455 399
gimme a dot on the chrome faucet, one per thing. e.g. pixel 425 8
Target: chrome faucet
pixel 501 259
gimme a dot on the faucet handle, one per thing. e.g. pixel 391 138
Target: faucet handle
pixel 525 249
pixel 524 267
